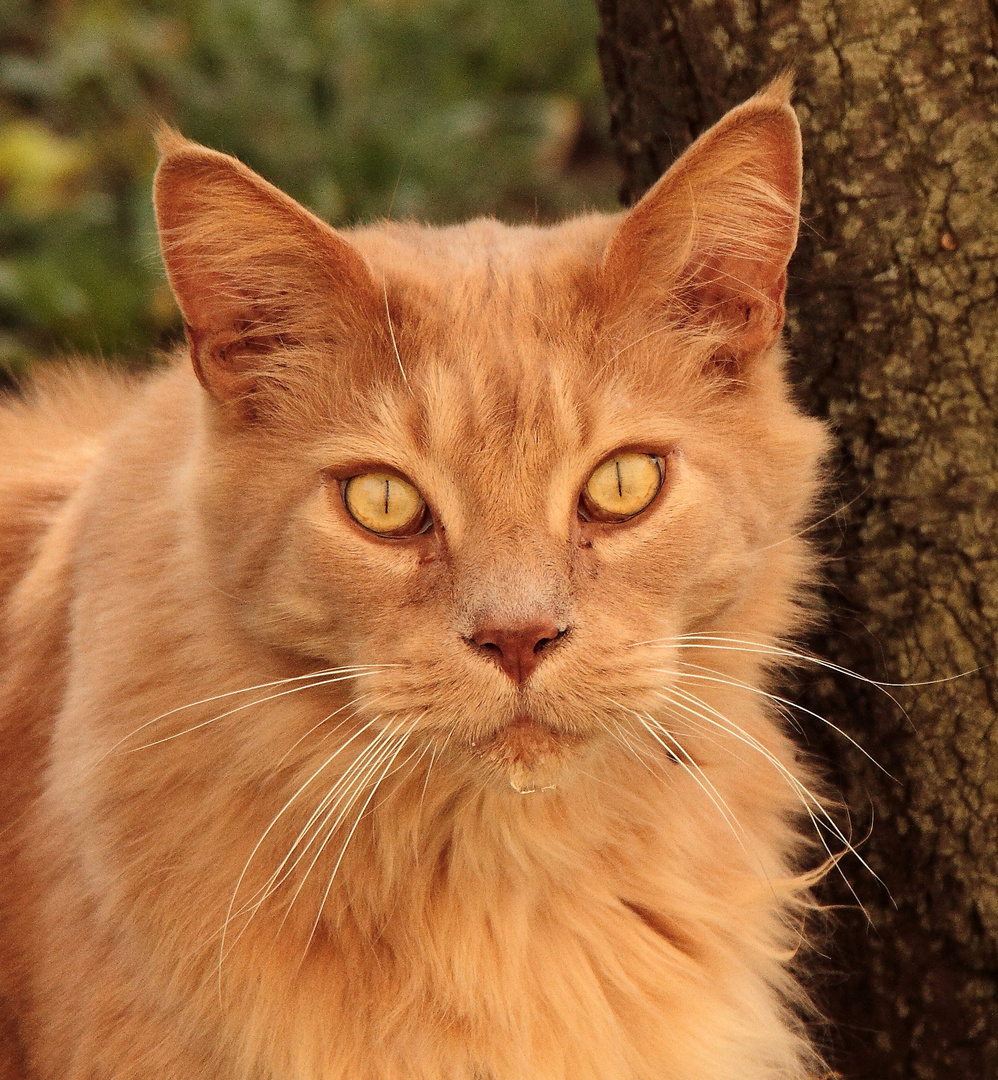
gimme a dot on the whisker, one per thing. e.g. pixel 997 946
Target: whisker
pixel 350 835
pixel 280 875
pixel 730 727
pixel 841 509
pixel 422 797
pixel 315 727
pixel 426 779
pixel 656 730
pixel 799 790
pixel 365 668
pixel 240 708
pixel 716 677
pixel 340 795
pixel 325 809
pixel 775 652
pixel 418 755
pixel 799 656
pixel 726 812
pixel 619 736
pixel 230 912
pixel 806 796
pixel 391 331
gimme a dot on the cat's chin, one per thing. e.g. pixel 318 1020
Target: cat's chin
pixel 531 755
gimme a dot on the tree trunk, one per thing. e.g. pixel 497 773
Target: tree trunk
pixel 894 319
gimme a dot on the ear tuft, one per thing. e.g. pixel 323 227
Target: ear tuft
pixel 781 90
pixel 168 139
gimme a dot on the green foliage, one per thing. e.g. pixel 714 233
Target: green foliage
pixel 435 109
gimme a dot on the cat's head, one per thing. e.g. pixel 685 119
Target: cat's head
pixel 516 464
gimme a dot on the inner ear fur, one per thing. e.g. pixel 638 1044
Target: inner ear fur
pixel 255 274
pixel 707 247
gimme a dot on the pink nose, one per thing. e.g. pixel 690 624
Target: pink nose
pixel 517 649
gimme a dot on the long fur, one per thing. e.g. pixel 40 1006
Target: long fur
pixel 267 812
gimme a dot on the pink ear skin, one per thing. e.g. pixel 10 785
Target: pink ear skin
pixel 707 247
pixel 255 274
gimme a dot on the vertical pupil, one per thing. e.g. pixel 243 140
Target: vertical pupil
pixel 620 482
pixel 387 489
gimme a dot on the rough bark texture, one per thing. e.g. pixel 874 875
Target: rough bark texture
pixel 894 318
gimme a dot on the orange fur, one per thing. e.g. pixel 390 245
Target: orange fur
pixel 521 880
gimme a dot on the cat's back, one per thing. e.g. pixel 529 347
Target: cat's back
pixel 50 435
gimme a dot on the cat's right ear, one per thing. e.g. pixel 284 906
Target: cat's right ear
pixel 706 249
pixel 255 274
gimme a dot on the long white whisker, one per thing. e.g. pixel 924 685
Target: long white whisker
pixel 418 754
pixel 248 705
pixel 280 874
pixel 799 790
pixel 716 677
pixel 806 796
pixel 422 794
pixel 391 331
pixel 253 904
pixel 368 702
pixel 342 794
pixel 360 814
pixel 366 668
pixel 777 652
pixel 426 779
pixel 618 735
pixel 726 812
pixel 814 524
pixel 764 648
pixel 325 809
pixel 229 914
pixel 727 725
pixel 656 730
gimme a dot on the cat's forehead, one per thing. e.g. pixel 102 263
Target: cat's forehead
pixel 511 378
pixel 494 325
pixel 512 409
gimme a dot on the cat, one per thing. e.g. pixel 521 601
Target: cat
pixel 385 676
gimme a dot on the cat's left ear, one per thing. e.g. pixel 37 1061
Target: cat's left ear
pixel 708 246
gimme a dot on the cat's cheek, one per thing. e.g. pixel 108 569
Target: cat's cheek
pixel 327 589
pixel 726 572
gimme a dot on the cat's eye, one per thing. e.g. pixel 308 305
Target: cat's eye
pixel 385 504
pixel 621 487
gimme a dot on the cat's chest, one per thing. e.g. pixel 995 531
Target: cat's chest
pixel 514 986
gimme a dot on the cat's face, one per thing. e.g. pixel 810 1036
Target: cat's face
pixel 413 462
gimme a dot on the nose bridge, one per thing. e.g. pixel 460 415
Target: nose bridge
pixel 513 580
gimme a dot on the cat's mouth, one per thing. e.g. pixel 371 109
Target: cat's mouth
pixel 531 755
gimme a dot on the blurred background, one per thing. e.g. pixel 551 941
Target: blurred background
pixel 431 109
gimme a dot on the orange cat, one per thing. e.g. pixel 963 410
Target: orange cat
pixel 383 682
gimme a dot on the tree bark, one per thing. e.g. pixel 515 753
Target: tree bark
pixel 894 319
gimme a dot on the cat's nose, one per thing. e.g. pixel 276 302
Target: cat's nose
pixel 517 649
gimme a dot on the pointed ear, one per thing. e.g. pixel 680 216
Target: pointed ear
pixel 708 245
pixel 255 274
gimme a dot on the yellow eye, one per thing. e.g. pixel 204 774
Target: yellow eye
pixel 386 504
pixel 621 487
